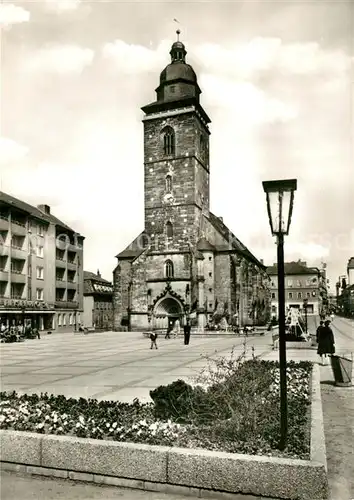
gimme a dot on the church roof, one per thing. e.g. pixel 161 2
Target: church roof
pixel 136 248
pixel 234 243
pixel 203 244
pixel 351 263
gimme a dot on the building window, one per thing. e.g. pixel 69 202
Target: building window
pixel 290 295
pixel 273 295
pixel 290 283
pixel 168 183
pixel 169 229
pixel 39 251
pixel 169 269
pixel 40 274
pixel 299 295
pixel 64 319
pixel 59 319
pixel 168 141
pixel 40 230
pixel 70 319
pixel 209 259
pixel 210 275
pixel 314 293
pixel 39 294
pixel 210 289
pixel 308 294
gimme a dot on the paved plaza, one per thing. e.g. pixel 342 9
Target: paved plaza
pixel 112 365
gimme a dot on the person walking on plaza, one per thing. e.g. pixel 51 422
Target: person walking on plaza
pixel 187 332
pixel 318 331
pixel 325 342
pixel 153 337
pixel 332 317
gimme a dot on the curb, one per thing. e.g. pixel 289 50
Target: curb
pixel 195 472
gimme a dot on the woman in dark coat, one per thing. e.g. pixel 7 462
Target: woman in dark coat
pixel 325 342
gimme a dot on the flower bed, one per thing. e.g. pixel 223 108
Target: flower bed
pixel 237 411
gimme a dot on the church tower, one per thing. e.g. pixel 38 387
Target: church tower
pixel 176 158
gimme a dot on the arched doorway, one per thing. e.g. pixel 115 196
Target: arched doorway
pixel 166 312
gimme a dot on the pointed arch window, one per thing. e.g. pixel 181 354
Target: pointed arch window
pixel 168 184
pixel 169 269
pixel 169 229
pixel 169 141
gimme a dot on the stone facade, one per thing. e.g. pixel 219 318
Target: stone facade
pixel 98 302
pixel 186 263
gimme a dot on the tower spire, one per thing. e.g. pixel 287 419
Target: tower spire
pixel 178 33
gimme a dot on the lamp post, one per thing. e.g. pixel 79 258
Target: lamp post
pixel 280 197
pixel 305 309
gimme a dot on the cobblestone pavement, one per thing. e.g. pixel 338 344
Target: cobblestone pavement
pixel 111 365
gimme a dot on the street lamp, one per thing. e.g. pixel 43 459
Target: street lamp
pixel 280 198
pixel 305 308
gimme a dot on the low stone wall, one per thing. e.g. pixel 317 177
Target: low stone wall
pixel 173 470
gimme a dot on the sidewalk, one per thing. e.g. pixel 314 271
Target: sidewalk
pixel 338 415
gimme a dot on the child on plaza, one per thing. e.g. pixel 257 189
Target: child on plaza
pixel 153 337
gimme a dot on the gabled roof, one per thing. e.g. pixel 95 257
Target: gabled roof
pixel 93 282
pixel 293 268
pixel 136 248
pixel 31 210
pixel 234 243
pixel 92 276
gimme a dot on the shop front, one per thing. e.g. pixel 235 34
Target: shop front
pixel 35 314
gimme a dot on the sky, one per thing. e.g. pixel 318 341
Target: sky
pixel 277 82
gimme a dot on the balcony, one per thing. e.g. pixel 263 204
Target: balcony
pixel 4 223
pixel 60 283
pixel 61 304
pixel 72 265
pixel 18 253
pixel 4 249
pixel 17 277
pixel 60 263
pixel 18 227
pixel 4 275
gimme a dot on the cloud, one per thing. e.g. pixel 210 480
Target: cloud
pixel 11 151
pixel 132 59
pixel 62 5
pixel 251 104
pixel 13 14
pixel 62 59
pixel 272 54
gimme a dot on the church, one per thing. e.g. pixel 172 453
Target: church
pixel 186 264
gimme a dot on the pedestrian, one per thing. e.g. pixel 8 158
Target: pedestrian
pixel 153 337
pixel 187 332
pixel 332 317
pixel 167 336
pixel 325 342
pixel 318 331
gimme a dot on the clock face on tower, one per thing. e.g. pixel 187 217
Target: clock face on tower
pixel 168 199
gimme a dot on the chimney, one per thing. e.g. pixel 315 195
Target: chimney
pixel 221 218
pixel 44 208
pixel 261 261
pixel 98 273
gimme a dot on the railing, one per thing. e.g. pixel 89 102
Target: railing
pixel 16 271
pixel 16 297
pixel 4 217
pixel 19 223
pixel 61 304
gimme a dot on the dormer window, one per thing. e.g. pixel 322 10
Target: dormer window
pixel 168 269
pixel 168 141
pixel 168 184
